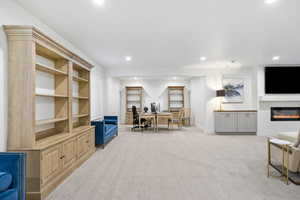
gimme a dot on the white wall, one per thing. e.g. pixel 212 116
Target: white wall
pixel 98 87
pixel 12 14
pixel 112 105
pixel 199 102
pixel 155 90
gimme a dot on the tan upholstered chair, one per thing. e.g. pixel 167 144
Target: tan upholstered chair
pixel 177 119
pixel 294 154
pixel 187 116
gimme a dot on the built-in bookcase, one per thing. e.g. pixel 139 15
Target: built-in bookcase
pixel 176 98
pixel 48 108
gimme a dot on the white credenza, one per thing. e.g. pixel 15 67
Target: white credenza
pixel 237 121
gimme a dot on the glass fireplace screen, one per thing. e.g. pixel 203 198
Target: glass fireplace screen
pixel 285 114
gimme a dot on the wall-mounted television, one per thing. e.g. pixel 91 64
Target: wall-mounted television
pixel 282 80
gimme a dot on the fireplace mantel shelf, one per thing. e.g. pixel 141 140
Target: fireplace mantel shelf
pixel 279 98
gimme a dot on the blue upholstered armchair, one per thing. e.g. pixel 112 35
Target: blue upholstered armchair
pixel 12 176
pixel 105 129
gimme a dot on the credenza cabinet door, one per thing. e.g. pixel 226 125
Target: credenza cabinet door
pixel 83 144
pixel 51 163
pixel 69 152
pixel 225 122
pixel 247 122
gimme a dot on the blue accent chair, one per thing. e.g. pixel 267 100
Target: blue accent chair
pixel 12 176
pixel 105 129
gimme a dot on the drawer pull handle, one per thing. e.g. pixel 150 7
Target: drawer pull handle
pixel 62 157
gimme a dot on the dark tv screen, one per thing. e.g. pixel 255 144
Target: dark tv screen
pixel 282 80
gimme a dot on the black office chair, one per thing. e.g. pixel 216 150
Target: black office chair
pixel 135 120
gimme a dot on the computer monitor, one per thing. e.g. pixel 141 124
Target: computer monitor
pixel 153 107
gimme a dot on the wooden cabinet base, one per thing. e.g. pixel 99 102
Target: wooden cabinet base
pixel 47 167
pixel 51 186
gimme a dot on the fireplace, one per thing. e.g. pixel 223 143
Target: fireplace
pixel 285 113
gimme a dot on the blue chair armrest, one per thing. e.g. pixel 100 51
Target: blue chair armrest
pixel 99 131
pixel 15 164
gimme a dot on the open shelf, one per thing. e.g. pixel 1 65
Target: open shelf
pixel 47 141
pixel 77 78
pixel 49 121
pixel 80 115
pixel 50 70
pixel 51 95
pixel 80 129
pixel 80 97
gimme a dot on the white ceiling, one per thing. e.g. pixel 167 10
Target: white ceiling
pixel 170 36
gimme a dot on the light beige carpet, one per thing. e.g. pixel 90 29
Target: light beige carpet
pixel 176 165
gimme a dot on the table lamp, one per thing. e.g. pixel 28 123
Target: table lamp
pixel 220 94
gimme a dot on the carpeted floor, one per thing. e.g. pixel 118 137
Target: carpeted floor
pixel 176 165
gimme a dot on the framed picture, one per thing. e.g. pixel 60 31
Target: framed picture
pixel 234 90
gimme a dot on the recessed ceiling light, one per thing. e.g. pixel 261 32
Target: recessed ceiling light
pixel 276 58
pixel 174 78
pixel 270 1
pixel 135 78
pixel 203 58
pixel 99 2
pixel 128 58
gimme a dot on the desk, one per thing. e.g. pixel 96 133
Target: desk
pixel 155 117
pixel 163 115
pixel 148 116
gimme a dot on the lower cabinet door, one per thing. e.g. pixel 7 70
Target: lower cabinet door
pixel 83 143
pixel 51 163
pixel 247 122
pixel 69 152
pixel 225 122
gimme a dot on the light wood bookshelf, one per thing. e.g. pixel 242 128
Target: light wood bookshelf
pixel 42 77
pixel 134 97
pixel 80 77
pixel 175 98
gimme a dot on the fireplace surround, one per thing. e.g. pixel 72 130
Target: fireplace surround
pixel 285 113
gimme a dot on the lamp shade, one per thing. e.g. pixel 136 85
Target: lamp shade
pixel 220 93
